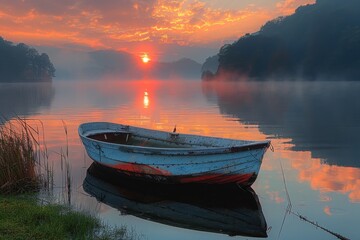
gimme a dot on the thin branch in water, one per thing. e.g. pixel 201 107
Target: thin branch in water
pixel 289 211
pixel 317 225
pixel 289 206
pixel 285 185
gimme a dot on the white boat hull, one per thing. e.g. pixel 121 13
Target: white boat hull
pixel 187 159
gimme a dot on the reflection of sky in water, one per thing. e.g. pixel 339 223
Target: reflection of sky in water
pixel 310 124
pixel 319 116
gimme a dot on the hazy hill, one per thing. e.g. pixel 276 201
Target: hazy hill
pixel 211 64
pixel 21 63
pixel 319 41
pixel 183 68
pixel 86 64
pixel 110 62
pixel 125 65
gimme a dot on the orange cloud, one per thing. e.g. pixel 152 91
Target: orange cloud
pixel 326 178
pixel 112 24
pixel 288 7
pixel 327 210
pixel 275 196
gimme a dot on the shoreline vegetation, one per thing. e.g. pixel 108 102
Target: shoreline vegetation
pixel 18 159
pixel 320 41
pixel 21 63
pixel 24 171
pixel 23 217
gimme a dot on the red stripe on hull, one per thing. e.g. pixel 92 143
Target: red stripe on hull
pixel 151 174
pixel 243 179
pixel 139 169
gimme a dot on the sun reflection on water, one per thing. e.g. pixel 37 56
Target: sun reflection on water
pixel 146 100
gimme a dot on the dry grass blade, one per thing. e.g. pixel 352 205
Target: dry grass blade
pixel 20 158
pixel 17 159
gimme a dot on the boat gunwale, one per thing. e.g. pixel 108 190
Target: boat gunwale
pixel 243 145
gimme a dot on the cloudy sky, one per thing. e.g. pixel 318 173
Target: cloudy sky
pixel 161 27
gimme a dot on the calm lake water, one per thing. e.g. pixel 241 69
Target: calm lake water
pixel 314 128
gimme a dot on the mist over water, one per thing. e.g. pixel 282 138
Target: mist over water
pixel 320 117
pixel 313 127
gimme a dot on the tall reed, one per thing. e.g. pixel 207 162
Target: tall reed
pixel 18 158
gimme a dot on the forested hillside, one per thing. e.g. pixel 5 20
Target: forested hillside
pixel 21 63
pixel 319 41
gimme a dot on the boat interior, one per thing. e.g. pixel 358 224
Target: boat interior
pixel 127 138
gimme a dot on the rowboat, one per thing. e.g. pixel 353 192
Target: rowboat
pixel 170 157
pixel 230 211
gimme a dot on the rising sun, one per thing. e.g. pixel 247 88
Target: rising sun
pixel 145 58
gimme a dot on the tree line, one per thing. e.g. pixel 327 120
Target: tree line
pixel 21 63
pixel 320 40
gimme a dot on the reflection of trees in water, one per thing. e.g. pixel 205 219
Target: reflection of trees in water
pixel 24 98
pixel 321 117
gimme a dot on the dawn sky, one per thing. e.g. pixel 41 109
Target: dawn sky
pixel 137 26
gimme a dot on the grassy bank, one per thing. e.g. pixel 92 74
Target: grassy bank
pixel 21 176
pixel 21 217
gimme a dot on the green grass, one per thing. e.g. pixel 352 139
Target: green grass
pixel 21 217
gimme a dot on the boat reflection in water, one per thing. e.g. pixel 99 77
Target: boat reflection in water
pixel 229 211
